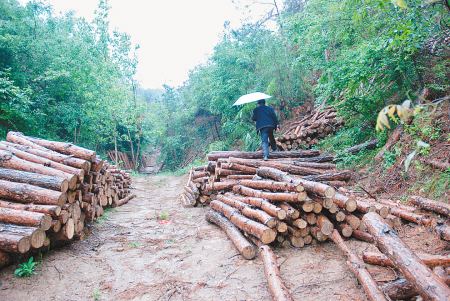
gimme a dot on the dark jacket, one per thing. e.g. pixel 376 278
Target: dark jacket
pixel 265 117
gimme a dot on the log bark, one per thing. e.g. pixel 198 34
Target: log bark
pixel 344 202
pixel 431 205
pixel 124 200
pixel 7 160
pixel 25 193
pixel 61 147
pixel 51 210
pixel 443 231
pixel 14 243
pixel 25 218
pixel 246 210
pixel 245 248
pixel 275 197
pixel 36 235
pixel 363 236
pixel 214 156
pixel 277 289
pixel 341 176
pixel 280 176
pixel 32 148
pixel 40 160
pixel 271 185
pixel 443 166
pixel 427 283
pixel 49 182
pixel 395 136
pixel 292 169
pixel 5 259
pixel 402 289
pixel 428 259
pixel 262 204
pixel 358 268
pixel 262 232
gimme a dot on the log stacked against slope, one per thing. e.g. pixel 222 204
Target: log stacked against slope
pixel 49 190
pixel 305 132
pixel 295 199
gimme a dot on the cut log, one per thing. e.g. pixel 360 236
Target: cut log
pixel 261 203
pixel 363 236
pixel 443 231
pixel 36 235
pixel 25 218
pixel 7 160
pixel 61 147
pixel 25 193
pixel 428 259
pixel 246 210
pixel 344 202
pixel 14 243
pixel 402 289
pixel 427 204
pixel 214 156
pixel 415 271
pixel 40 160
pixel 49 182
pixel 272 186
pixel 292 213
pixel 357 266
pixel 275 197
pixel 245 248
pixel 290 168
pixel 124 200
pixel 280 176
pixel 262 232
pixel 325 226
pixel 353 221
pixel 277 289
pixel 51 210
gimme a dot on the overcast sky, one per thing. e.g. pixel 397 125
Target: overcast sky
pixel 174 35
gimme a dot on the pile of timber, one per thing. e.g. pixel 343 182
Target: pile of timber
pixel 49 191
pixel 290 201
pixel 305 132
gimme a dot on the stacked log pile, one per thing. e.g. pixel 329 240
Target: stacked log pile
pixel 305 132
pixel 296 199
pixel 50 190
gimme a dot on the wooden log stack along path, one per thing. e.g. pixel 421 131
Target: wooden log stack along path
pixel 297 198
pixel 301 133
pixel 50 190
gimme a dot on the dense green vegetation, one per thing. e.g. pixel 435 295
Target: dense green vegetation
pixel 68 79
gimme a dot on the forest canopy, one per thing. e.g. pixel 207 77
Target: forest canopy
pixel 68 79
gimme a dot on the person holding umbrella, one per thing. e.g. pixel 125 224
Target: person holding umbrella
pixel 265 118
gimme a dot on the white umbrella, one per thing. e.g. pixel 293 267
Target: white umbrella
pixel 252 97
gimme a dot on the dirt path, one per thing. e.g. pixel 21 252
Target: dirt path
pixel 133 256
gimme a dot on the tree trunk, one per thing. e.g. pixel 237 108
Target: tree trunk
pixel 371 144
pixel 313 187
pixel 51 210
pixel 275 197
pixel 415 271
pixel 277 289
pixel 124 200
pixel 435 206
pixel 25 193
pixel 443 231
pixel 245 248
pixel 290 168
pixel 7 160
pixel 263 233
pixel 49 182
pixel 363 236
pixel 358 268
pixel 344 202
pixel 428 259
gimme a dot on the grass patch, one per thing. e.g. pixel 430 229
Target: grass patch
pixel 26 269
pixel 164 216
pixel 96 295
pixel 134 244
pixel 106 215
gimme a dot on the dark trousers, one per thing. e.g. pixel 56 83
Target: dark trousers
pixel 266 138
